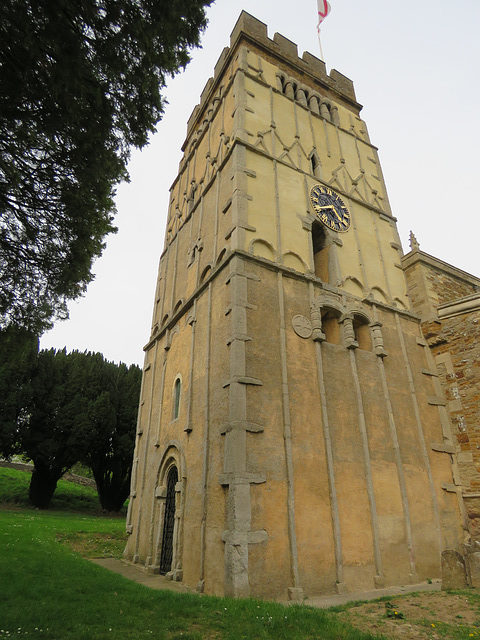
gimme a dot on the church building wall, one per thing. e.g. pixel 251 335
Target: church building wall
pixel 449 304
pixel 286 382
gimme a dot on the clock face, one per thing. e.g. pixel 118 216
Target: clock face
pixel 330 208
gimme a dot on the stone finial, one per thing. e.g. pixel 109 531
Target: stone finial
pixel 413 242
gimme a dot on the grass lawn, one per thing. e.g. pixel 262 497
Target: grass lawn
pixel 48 590
pixel 68 495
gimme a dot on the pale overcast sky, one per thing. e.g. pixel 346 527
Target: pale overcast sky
pixel 416 70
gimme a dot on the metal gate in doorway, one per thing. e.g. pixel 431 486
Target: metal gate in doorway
pixel 168 523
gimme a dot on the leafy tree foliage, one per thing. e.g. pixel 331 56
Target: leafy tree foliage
pixel 59 428
pixel 18 351
pixel 114 417
pixel 83 408
pixel 80 84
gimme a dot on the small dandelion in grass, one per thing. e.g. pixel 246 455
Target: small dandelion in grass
pixel 433 625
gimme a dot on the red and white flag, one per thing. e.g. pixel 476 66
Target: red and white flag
pixel 323 11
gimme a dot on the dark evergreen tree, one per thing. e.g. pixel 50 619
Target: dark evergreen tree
pixel 18 351
pixel 80 84
pixel 82 408
pixel 110 452
pixel 59 428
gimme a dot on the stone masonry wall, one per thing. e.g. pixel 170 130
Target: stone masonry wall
pixel 455 344
pixel 453 335
pixel 447 287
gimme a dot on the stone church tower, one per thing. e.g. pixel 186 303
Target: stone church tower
pixel 292 438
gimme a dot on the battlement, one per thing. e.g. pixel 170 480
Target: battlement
pixel 282 49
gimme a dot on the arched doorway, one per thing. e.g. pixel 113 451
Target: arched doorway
pixel 168 522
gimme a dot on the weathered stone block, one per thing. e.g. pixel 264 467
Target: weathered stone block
pixel 454 574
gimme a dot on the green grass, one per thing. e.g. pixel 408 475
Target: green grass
pixel 49 591
pixel 68 495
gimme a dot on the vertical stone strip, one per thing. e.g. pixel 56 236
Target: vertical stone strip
pixel 278 226
pixel 175 273
pixel 295 592
pixel 359 250
pixel 400 472
pixel 318 337
pixel 327 141
pixel 133 479
pixel 164 287
pixel 367 465
pixel 375 221
pixel 421 436
pixel 192 321
pixel 145 457
pixel 235 461
pixel 199 231
pixel 160 403
pixel 311 121
pixel 238 534
pixel 217 208
pixel 273 142
pixel 177 557
pixel 447 435
pixel 206 445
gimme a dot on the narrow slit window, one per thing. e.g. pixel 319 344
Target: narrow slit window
pixel 320 251
pixel 177 389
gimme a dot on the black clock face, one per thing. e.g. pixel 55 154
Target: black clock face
pixel 330 208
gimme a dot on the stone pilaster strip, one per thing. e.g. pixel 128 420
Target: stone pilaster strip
pixel 235 475
pixel 160 405
pixel 421 437
pixel 174 276
pixel 400 471
pixel 143 473
pixel 361 261
pixel 192 321
pixel 278 228
pixel 337 538
pixel 367 465
pixel 446 360
pixel 380 255
pixel 287 435
pixel 206 445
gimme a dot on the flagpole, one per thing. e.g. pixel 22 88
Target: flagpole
pixel 323 11
pixel 320 45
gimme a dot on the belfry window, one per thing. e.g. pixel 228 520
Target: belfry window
pixel 177 390
pixel 331 327
pixel 362 333
pixel 320 251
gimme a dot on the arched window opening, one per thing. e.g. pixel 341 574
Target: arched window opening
pixel 177 390
pixel 205 273
pixel 315 164
pixel 178 306
pixel 362 333
pixel 320 251
pixel 221 255
pixel 331 327
pixel 168 523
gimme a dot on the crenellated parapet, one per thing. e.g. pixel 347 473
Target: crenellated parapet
pixel 283 52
